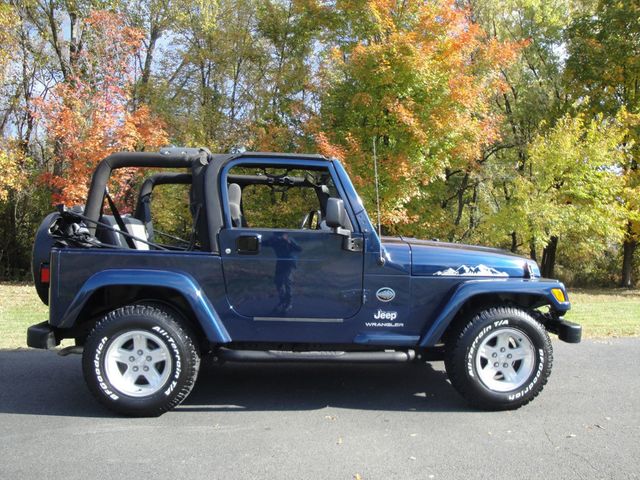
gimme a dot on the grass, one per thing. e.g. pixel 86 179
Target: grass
pixel 606 313
pixel 602 313
pixel 20 307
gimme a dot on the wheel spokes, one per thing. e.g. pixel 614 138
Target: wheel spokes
pixel 486 351
pixel 504 359
pixel 519 353
pixel 158 355
pixel 138 363
pixel 153 376
pixel 130 376
pixel 139 343
pixel 122 356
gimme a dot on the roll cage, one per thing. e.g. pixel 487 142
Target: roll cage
pixel 207 195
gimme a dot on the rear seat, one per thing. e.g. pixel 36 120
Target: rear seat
pixel 134 227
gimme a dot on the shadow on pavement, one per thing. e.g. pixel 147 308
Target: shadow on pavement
pixel 35 382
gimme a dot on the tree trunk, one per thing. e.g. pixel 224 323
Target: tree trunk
pixel 629 247
pixel 142 94
pixel 549 258
pixel 514 242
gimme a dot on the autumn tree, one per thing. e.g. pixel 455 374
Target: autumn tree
pixel 493 121
pixel 416 78
pixel 603 71
pixel 569 191
pixel 155 19
pixel 87 116
pixel 534 99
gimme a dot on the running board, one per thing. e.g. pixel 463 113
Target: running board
pixel 226 354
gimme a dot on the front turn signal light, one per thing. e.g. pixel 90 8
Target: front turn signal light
pixel 558 294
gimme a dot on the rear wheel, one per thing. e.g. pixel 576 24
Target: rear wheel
pixel 500 359
pixel 140 361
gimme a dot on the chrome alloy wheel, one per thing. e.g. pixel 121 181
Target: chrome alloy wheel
pixel 138 363
pixel 505 359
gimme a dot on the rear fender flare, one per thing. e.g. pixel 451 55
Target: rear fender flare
pixel 182 283
pixel 472 288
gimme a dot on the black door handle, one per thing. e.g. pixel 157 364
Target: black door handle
pixel 248 244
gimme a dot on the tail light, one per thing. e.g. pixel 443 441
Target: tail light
pixel 45 273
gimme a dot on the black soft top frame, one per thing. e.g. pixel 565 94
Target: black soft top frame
pixel 205 169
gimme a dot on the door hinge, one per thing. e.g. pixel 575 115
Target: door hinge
pixel 353 244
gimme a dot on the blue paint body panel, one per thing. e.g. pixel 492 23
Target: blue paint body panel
pixel 302 286
pixel 282 278
pixel 442 259
pixel 181 282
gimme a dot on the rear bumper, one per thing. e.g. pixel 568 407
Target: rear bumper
pixel 567 331
pixel 42 335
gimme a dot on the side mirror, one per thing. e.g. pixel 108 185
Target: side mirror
pixel 336 213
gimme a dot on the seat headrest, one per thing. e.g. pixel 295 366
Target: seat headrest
pixel 235 193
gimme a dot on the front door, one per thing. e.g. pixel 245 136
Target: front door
pixel 281 262
pixel 291 274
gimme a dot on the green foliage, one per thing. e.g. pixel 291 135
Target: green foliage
pixel 572 182
pixel 170 213
pixel 603 73
pixel 279 206
pixel 513 123
pixel 415 78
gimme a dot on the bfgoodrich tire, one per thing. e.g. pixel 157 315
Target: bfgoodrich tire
pixel 140 361
pixel 500 359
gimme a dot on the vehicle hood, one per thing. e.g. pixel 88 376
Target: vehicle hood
pixel 441 259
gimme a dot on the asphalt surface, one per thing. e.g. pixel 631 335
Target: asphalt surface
pixel 327 422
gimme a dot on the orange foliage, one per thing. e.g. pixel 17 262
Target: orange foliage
pixel 420 81
pixel 87 117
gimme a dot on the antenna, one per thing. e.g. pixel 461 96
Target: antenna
pixel 375 170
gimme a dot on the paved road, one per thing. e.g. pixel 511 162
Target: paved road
pixel 333 422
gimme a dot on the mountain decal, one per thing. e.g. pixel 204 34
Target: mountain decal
pixel 469 271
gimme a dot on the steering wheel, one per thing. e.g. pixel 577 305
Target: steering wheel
pixel 307 221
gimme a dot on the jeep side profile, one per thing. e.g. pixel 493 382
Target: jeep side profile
pixel 283 264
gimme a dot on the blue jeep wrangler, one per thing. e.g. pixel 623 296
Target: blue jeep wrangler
pixel 283 264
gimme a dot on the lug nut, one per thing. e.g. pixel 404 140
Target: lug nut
pixel 149 358
pixel 140 352
pixel 509 356
pixel 494 355
pixel 146 369
pixel 135 369
pixel 496 364
pixel 502 349
pixel 131 359
pixel 505 365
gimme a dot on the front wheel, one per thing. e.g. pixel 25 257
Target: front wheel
pixel 500 359
pixel 140 361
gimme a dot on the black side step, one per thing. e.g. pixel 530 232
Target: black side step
pixel 230 355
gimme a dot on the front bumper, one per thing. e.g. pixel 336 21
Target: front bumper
pixel 42 335
pixel 567 331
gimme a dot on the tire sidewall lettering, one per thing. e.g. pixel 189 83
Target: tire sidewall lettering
pixel 173 346
pixel 98 363
pixel 532 382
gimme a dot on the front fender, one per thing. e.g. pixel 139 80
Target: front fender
pixel 472 288
pixel 182 283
